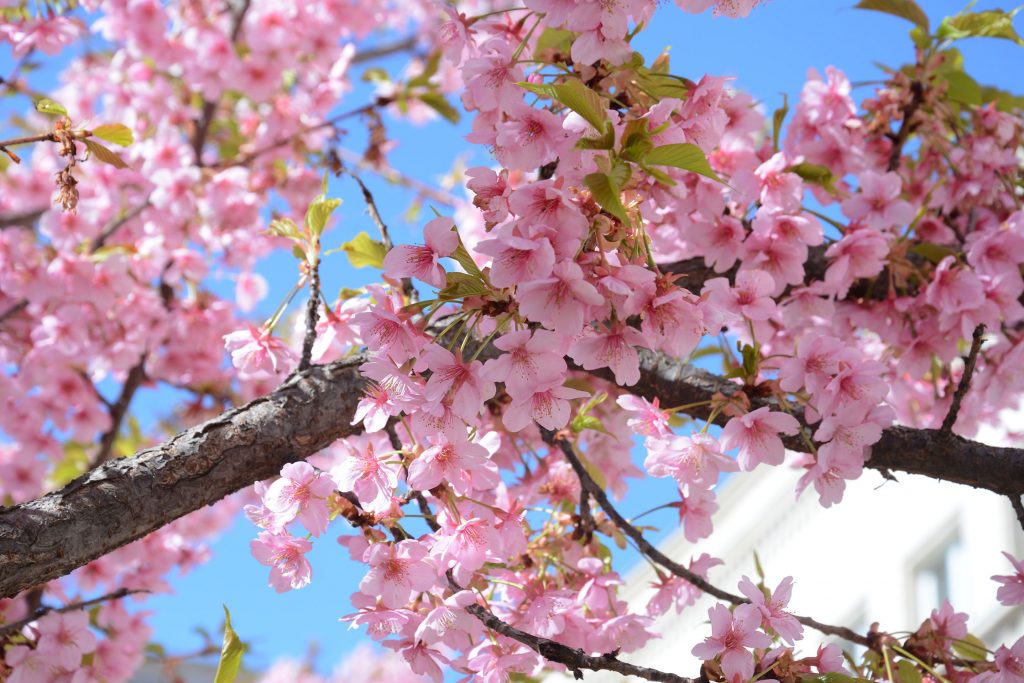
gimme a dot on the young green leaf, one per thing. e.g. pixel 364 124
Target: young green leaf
pixel 778 116
pixel 438 103
pixel 682 155
pixel 104 154
pixel 230 653
pixel 463 258
pixel 47 106
pixel 815 173
pixel 993 23
pixel 116 133
pixel 319 213
pixel 578 97
pixel 606 194
pixel 461 285
pixel 363 251
pixel 905 9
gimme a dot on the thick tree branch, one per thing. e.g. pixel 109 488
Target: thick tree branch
pixel 588 484
pixel 125 499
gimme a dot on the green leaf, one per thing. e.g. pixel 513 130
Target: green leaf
pixel 636 140
pixel 993 23
pixel 933 252
pixel 757 565
pixel 584 422
pixel 230 653
pixel 606 194
pixel 970 648
pixel 104 154
pixel 363 251
pixel 116 133
pixel 463 258
pixel 905 9
pixel 47 106
pixel 682 155
pixel 1005 101
pixel 438 103
pixel 462 285
pixel 660 85
pixel 778 116
pixel 962 88
pixel 907 672
pixel 555 39
pixel 284 227
pixel 429 69
pixel 605 141
pixel 815 173
pixel 578 97
pixel 318 213
pixel 833 678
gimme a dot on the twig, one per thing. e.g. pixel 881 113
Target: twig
pixel 585 528
pixel 210 107
pixel 384 50
pixel 118 411
pixel 371 207
pixel 970 362
pixel 572 658
pixel 312 315
pixel 17 308
pixel 115 225
pixel 398 178
pixel 916 99
pixel 25 219
pixel 679 570
pixel 16 626
pixel 1018 508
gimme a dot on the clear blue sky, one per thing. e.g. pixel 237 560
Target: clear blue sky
pixel 768 53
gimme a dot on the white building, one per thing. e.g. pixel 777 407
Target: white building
pixel 889 552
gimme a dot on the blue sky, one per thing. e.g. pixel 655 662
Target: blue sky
pixel 768 53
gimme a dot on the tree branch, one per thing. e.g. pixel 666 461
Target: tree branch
pixel 312 315
pixel 589 485
pixel 127 498
pixel 14 627
pixel 14 310
pixel 118 411
pixel 965 380
pixel 371 207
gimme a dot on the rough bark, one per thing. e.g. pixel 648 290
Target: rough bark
pixel 128 498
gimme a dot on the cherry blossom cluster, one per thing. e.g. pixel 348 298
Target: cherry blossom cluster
pixel 633 218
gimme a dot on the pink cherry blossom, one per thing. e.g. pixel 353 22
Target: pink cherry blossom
pixel 771 608
pixel 397 570
pixel 371 477
pixel 561 301
pixel 529 359
pixel 547 403
pixel 286 556
pixel 694 459
pixel 422 262
pixel 462 463
pixel 756 435
pixel 300 492
pixel 612 348
pixel 731 635
pixel 258 354
pixel 877 204
pixel 650 421
pixel 1011 592
pixel 65 638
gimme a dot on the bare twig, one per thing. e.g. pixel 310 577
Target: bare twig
pixel 385 50
pixel 587 482
pixel 572 658
pixel 371 207
pixel 398 178
pixel 119 410
pixel 312 315
pixel 970 362
pixel 25 219
pixel 202 130
pixel 14 310
pixel 916 99
pixel 586 527
pixel 14 627
pixel 115 225
pixel 1018 508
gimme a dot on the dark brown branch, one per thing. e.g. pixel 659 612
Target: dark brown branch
pixel 25 219
pixel 970 362
pixel 572 658
pixel 588 484
pixel 14 627
pixel 906 126
pixel 385 50
pixel 118 411
pixel 126 498
pixel 115 225
pixel 14 310
pixel 202 130
pixel 312 315
pixel 371 207
pixel 1018 509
